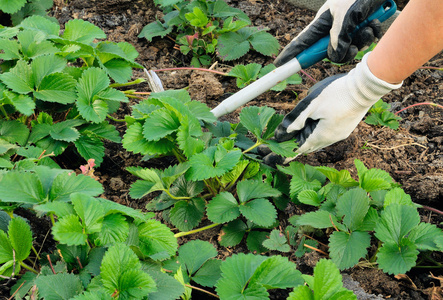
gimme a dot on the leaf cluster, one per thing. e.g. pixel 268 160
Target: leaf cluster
pixel 379 115
pixel 358 210
pixel 65 81
pixel 20 9
pixel 213 164
pixel 246 74
pixel 205 27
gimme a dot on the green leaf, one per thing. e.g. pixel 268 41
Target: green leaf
pixel 328 282
pixel 90 84
pixel 103 131
pixel 14 132
pixel 255 118
pixel 398 258
pixel 209 273
pixel 259 211
pixel 159 124
pixel 90 147
pixel 317 219
pixel 354 205
pixel 115 229
pixel 194 262
pixel 68 230
pixel 167 286
pixel 342 177
pixel 95 295
pixel 277 272
pixel 134 141
pixel 21 188
pixel 375 179
pixel 309 197
pixel 40 22
pixel 255 240
pixel 64 132
pixel 11 6
pixel 89 211
pixel 154 29
pixel 57 87
pixel 285 149
pixel 60 209
pixel 60 286
pixel 121 273
pixel 20 236
pixel 65 184
pixel 232 233
pixel 346 249
pixel 236 273
pixel 424 236
pixel 186 215
pixel 204 166
pixel 304 177
pixel 245 74
pixel 301 292
pixel 396 222
pixel 45 65
pixel 397 196
pixel 265 43
pixel 157 240
pixel 81 31
pixel 188 144
pixel 6 253
pixel 232 45
pixel 223 208
pixel 251 189
pixel 19 79
pixel 277 241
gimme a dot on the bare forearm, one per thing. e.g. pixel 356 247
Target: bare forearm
pixel 414 38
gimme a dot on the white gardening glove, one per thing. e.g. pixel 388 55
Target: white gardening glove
pixel 333 109
pixel 338 18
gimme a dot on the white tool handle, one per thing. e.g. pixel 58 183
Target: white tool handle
pixel 257 88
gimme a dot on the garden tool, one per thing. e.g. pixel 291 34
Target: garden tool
pixel 307 58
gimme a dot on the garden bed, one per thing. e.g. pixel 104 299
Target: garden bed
pixel 412 155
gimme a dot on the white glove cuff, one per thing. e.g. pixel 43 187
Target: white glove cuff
pixel 368 88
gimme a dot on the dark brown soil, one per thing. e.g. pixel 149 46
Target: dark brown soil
pixel 413 155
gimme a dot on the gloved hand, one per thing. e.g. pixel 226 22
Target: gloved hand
pixel 338 18
pixel 333 109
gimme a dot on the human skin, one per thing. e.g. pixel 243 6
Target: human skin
pixel 413 39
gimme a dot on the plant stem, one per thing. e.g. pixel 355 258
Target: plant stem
pixel 432 209
pixel 417 104
pixel 28 267
pixel 137 81
pixel 191 68
pixel 258 143
pixel 202 290
pixel 196 230
pixel 432 68
pixel 35 252
pixel 309 76
pixel 174 197
pixel 4 112
pixel 116 120
pixel 51 215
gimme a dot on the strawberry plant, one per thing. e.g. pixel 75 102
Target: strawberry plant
pixel 357 208
pixel 246 74
pixel 62 105
pixel 205 27
pixel 20 9
pixel 211 164
pixel 247 275
pixel 325 284
pixel 379 115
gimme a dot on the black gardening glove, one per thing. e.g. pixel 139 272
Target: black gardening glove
pixel 338 18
